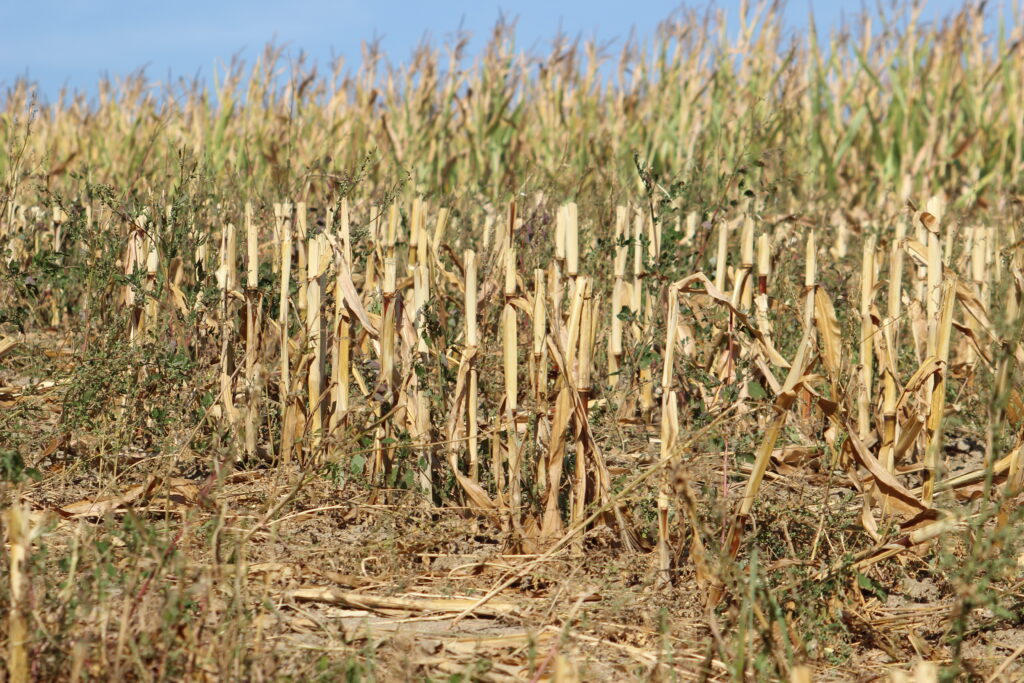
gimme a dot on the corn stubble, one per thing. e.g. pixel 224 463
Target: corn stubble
pixel 436 339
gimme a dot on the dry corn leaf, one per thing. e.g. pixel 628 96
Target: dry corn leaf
pixel 983 349
pixel 929 366
pixel 98 507
pixel 867 518
pixel 971 301
pixel 930 222
pixel 1015 407
pixel 917 251
pixel 828 330
pixel 552 525
pixel 352 299
pixel 472 489
pixel 472 644
pixel 179 298
pixel 7 344
pixel 908 436
pixel 764 345
pixel 887 484
pixel 335 596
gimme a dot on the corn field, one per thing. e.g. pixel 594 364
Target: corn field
pixel 696 361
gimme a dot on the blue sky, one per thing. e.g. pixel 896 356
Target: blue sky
pixel 74 42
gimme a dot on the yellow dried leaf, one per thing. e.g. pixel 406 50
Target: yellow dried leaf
pixel 828 330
